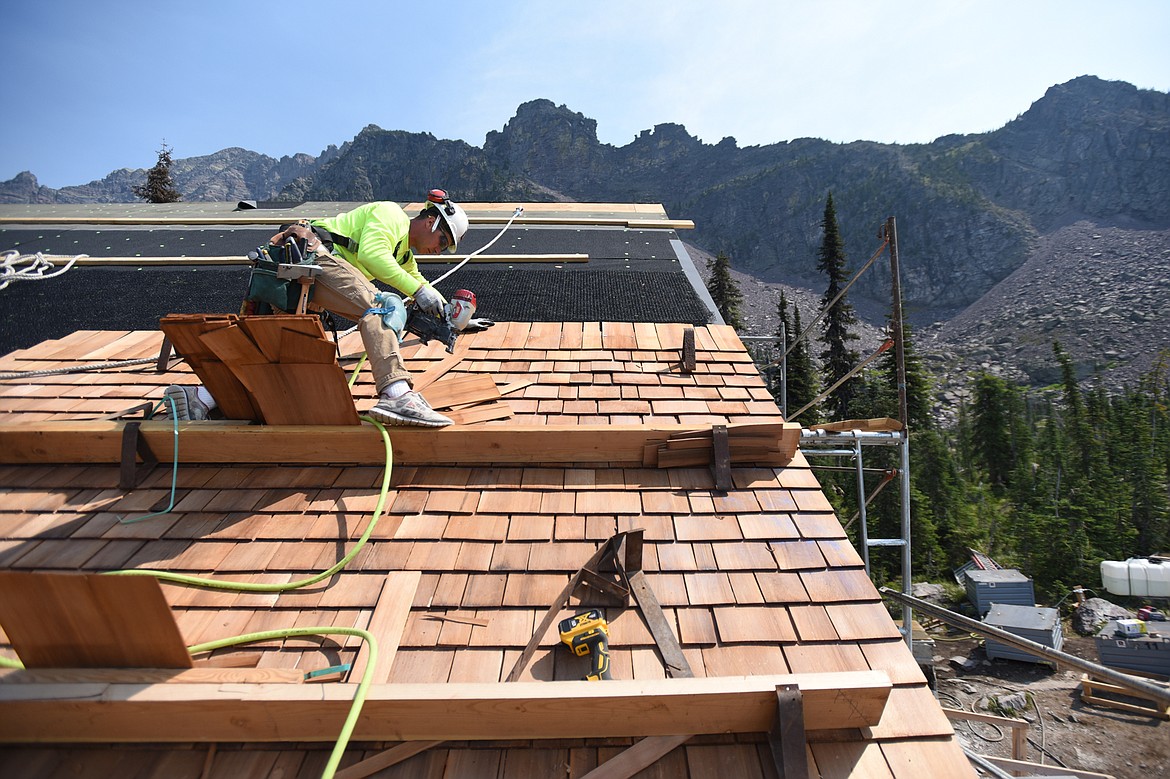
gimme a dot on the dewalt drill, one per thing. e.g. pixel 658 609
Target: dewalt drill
pixel 587 635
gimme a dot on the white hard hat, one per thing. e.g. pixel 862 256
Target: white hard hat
pixel 452 214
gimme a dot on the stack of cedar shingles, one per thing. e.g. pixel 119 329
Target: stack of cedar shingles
pixel 762 444
pixel 281 370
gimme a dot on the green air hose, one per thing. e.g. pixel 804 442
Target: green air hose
pixel 353 376
pixel 198 581
pixel 359 697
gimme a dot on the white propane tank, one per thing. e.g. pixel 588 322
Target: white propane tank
pixel 1137 576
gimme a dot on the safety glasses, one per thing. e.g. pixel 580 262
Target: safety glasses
pixel 445 239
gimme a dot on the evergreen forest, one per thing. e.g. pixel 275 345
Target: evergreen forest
pixel 1050 480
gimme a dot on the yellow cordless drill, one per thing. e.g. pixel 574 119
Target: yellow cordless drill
pixel 587 635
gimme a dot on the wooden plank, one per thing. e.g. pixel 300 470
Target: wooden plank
pixel 436 371
pixel 184 331
pixel 516 385
pixel 387 623
pixel 484 412
pixel 89 621
pixel 268 330
pixel 385 759
pixel 878 424
pixel 100 442
pixel 1018 727
pixel 1037 769
pixel 865 759
pixel 910 712
pixel 458 390
pixel 634 759
pixel 1154 708
pixel 615 221
pixel 428 712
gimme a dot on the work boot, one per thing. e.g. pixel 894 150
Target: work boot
pixel 187 407
pixel 409 409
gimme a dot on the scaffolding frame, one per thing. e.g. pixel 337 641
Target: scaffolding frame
pixel 850 443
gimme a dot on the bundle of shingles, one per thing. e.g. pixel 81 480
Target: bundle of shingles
pixel 283 370
pixel 279 370
pixel 767 443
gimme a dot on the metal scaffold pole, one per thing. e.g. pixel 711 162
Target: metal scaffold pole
pixel 898 334
pixel 831 440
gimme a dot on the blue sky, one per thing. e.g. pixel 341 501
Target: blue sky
pixel 91 87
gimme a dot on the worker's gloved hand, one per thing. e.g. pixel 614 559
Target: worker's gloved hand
pixel 429 300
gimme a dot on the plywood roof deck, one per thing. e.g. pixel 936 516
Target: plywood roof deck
pixel 757 580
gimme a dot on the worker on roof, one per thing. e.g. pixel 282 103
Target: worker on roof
pixel 374 241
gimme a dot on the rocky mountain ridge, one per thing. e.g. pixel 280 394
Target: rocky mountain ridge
pixel 977 214
pixel 228 175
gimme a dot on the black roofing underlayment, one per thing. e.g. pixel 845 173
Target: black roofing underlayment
pixel 104 298
pixel 187 241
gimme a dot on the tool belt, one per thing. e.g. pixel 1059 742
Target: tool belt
pixel 295 244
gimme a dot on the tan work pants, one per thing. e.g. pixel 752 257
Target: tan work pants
pixel 342 289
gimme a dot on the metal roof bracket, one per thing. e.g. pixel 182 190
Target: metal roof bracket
pixel 687 363
pixel 721 458
pixel 787 735
pixel 133 444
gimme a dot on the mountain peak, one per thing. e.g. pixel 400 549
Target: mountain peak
pixel 1092 96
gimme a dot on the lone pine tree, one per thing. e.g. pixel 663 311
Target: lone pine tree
pixel 724 291
pixel 159 186
pixel 837 359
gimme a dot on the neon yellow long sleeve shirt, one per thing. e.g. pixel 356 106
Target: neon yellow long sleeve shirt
pixel 381 231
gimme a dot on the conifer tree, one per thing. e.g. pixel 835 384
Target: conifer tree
pixel 882 392
pixel 159 186
pixel 1142 471
pixel 994 429
pixel 801 374
pixel 837 359
pixel 937 476
pixel 724 291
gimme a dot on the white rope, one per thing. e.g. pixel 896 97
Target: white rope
pixel 98 366
pixel 15 266
pixel 515 214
